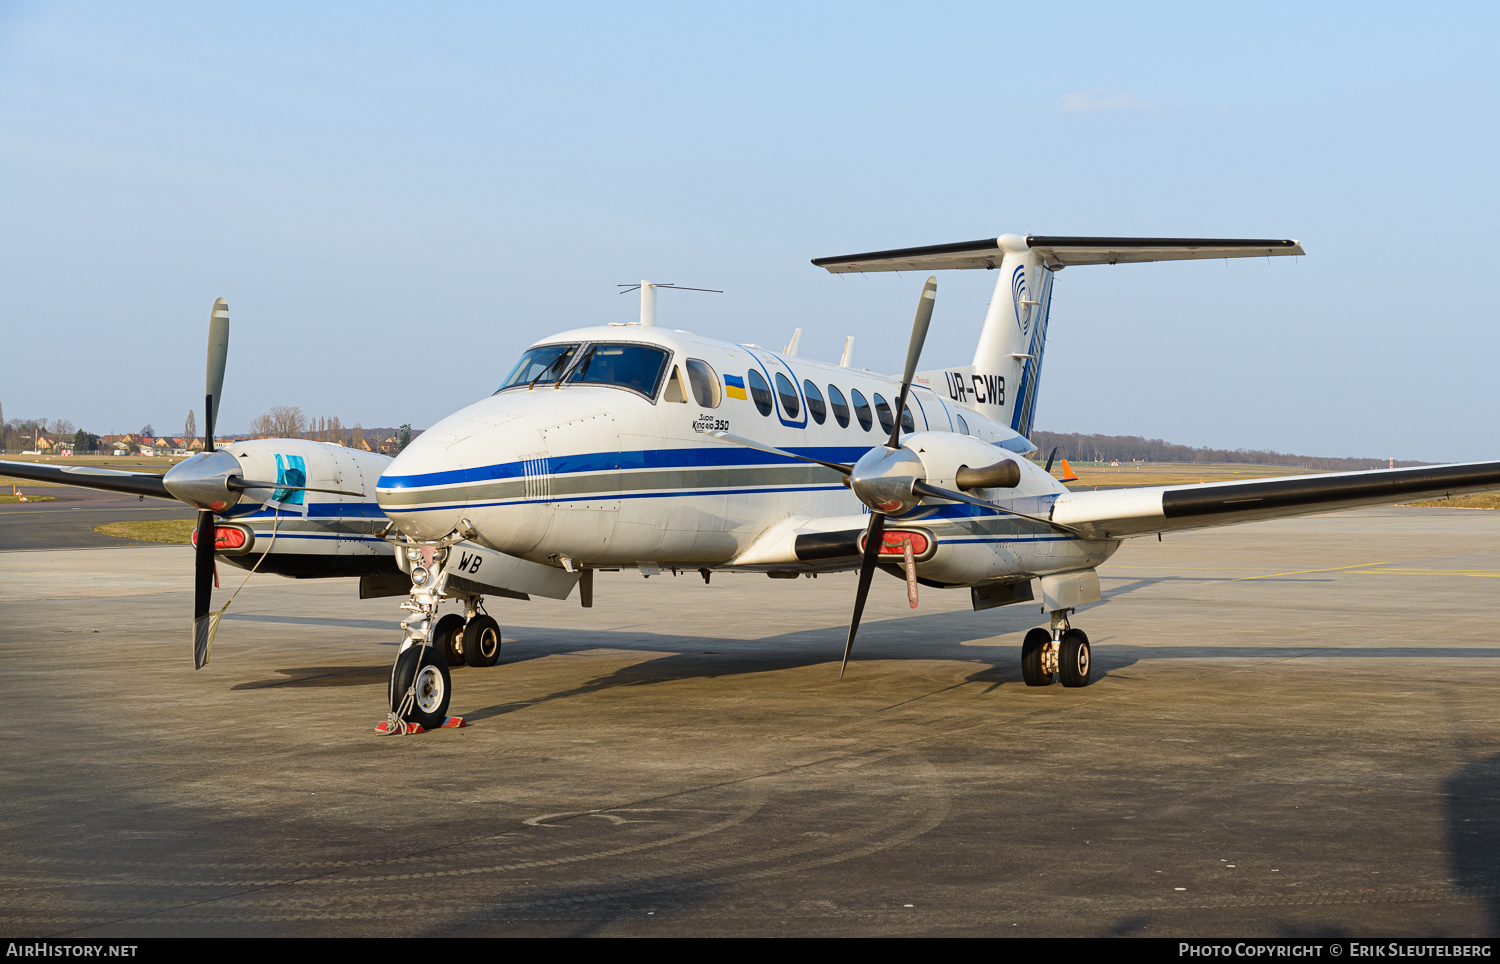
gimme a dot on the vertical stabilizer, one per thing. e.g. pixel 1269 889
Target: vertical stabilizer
pixel 1002 382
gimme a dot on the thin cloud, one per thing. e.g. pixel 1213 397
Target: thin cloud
pixel 1099 99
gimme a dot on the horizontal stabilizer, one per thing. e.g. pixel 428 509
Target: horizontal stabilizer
pixel 1056 251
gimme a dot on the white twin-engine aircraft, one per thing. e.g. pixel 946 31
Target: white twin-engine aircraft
pixel 632 446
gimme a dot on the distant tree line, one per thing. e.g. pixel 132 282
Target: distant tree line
pixel 1078 447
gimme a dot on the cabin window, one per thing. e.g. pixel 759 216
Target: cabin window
pixel 815 406
pixel 704 382
pixel 543 363
pixel 674 392
pixel 760 392
pixel 962 425
pixel 861 409
pixel 883 409
pixel 788 394
pixel 908 422
pixel 840 407
pixel 636 367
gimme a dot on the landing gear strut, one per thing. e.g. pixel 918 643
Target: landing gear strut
pixel 421 685
pixel 1060 651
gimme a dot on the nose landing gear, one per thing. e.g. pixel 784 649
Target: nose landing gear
pixel 421 685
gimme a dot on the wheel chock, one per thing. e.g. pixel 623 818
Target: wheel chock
pixel 387 728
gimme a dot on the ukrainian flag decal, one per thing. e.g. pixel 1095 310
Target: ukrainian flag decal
pixel 734 387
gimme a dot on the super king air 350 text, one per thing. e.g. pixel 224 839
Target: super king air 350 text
pixel 631 446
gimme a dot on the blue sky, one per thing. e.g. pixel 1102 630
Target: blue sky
pixel 395 202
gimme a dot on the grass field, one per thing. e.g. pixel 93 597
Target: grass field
pixel 172 531
pixel 8 497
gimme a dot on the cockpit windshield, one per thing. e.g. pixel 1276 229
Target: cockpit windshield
pixel 545 363
pixel 637 367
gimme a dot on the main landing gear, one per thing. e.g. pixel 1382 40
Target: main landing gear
pixel 1060 651
pixel 421 685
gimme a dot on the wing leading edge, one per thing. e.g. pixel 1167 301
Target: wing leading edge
pixel 1122 513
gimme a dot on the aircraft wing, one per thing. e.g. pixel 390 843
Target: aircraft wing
pixel 1122 513
pixel 110 480
pixel 1058 251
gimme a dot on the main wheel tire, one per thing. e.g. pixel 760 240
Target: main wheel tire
pixel 448 636
pixel 1074 661
pixel 434 687
pixel 482 641
pixel 1032 647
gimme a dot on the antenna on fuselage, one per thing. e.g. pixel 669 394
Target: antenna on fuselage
pixel 648 298
pixel 848 352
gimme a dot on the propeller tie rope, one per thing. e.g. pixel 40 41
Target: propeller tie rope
pixel 213 626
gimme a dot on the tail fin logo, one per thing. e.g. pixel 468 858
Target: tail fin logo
pixel 1018 296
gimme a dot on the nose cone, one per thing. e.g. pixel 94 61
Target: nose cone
pixel 465 465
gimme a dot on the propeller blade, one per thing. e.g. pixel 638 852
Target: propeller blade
pixel 1048 469
pixel 218 356
pixel 203 589
pixel 914 352
pixel 873 539
pixel 752 444
pixel 929 490
pixel 235 482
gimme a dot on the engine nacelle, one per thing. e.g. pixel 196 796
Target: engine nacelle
pixel 310 534
pixel 975 546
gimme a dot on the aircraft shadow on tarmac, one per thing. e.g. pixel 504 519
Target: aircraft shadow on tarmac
pixel 920 637
pixel 1471 804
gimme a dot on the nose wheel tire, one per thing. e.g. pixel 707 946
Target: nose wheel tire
pixel 1032 648
pixel 1074 661
pixel 482 641
pixel 448 636
pixel 425 667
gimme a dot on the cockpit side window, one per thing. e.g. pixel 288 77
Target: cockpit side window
pixel 636 367
pixel 674 391
pixel 705 383
pixel 542 363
